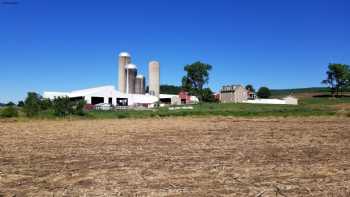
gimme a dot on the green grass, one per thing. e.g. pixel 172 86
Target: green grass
pixel 306 107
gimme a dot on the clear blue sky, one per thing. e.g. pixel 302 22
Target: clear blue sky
pixel 65 45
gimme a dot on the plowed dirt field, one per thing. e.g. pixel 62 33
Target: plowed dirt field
pixel 218 156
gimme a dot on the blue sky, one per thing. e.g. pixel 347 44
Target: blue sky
pixel 65 45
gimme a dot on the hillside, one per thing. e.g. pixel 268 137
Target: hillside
pixel 305 92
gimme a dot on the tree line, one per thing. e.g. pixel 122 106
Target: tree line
pixel 35 104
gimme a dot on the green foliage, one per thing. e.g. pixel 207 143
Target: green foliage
pixel 10 104
pixel 62 106
pixel 20 104
pixel 204 95
pixel 250 88
pixel 197 75
pixel 9 112
pixel 45 104
pixel 169 89
pixel 32 104
pixel 338 78
pixel 264 92
pixel 79 108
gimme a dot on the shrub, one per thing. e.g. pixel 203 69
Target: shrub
pixel 79 108
pixel 264 92
pixel 9 112
pixel 20 104
pixel 62 106
pixel 45 104
pixel 32 104
pixel 10 104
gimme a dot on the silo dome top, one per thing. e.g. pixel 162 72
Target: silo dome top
pixel 124 54
pixel 131 66
pixel 154 62
pixel 139 76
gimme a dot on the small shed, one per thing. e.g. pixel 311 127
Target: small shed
pixel 184 97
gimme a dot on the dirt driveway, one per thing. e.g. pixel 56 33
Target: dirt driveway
pixel 176 156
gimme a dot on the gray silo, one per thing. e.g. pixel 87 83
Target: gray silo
pixel 124 59
pixel 153 71
pixel 140 84
pixel 130 73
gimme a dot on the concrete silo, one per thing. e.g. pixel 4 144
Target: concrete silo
pixel 140 84
pixel 130 73
pixel 153 71
pixel 124 59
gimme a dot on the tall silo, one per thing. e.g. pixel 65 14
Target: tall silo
pixel 124 59
pixel 153 71
pixel 130 73
pixel 140 84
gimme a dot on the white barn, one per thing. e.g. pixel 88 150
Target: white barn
pixel 105 94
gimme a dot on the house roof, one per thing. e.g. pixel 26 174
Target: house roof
pixel 230 88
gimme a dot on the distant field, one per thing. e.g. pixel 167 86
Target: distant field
pixel 202 156
pixel 305 92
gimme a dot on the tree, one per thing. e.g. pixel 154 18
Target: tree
pixel 197 75
pixel 264 92
pixel 338 78
pixel 20 104
pixel 45 104
pixel 62 106
pixel 207 95
pixel 169 89
pixel 10 104
pixel 32 104
pixel 250 88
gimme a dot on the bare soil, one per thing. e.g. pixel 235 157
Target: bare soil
pixel 216 156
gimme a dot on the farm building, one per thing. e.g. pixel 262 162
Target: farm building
pixel 173 99
pixel 131 89
pixel 109 95
pixel 106 94
pixel 233 94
